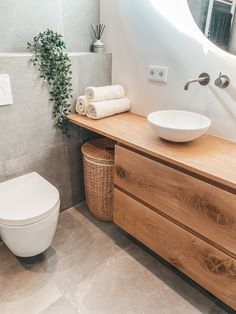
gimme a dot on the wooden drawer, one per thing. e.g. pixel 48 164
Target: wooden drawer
pixel 208 266
pixel 197 205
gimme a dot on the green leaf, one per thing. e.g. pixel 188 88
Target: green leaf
pixel 54 66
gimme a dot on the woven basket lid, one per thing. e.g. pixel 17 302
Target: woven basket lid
pixel 99 149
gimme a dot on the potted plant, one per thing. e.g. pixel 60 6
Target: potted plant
pixel 54 65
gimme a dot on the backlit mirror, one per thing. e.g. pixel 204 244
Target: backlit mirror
pixel 216 19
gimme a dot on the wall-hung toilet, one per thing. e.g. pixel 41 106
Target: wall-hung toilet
pixel 29 208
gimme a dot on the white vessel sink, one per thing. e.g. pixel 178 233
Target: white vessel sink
pixel 178 126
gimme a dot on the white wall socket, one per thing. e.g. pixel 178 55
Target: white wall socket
pixel 158 73
pixel 152 73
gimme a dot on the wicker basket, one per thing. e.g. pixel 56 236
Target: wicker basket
pixel 98 156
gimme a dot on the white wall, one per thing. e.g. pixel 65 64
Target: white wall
pixel 162 32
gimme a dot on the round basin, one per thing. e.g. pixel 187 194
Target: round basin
pixel 178 126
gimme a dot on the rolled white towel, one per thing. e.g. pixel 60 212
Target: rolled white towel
pixel 98 110
pixel 81 106
pixel 104 93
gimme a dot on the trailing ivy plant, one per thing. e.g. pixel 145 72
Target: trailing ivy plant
pixel 54 65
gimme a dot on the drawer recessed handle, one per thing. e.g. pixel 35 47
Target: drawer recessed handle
pixel 120 172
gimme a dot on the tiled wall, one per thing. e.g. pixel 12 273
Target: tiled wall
pixel 28 140
pixel 199 10
pixel 20 21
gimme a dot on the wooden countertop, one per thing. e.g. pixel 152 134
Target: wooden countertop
pixel 209 156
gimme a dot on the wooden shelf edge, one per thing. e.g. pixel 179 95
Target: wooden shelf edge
pixel 210 157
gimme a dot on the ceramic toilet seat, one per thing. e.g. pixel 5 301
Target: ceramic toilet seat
pixel 26 200
pixel 29 210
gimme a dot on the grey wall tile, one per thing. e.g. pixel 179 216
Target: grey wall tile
pixel 2 172
pixel 87 135
pixel 28 140
pixel 54 164
pixel 50 163
pixel 20 21
pixel 25 126
pixel 78 15
pixel 92 69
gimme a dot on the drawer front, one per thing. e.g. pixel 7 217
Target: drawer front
pixel 202 207
pixel 208 266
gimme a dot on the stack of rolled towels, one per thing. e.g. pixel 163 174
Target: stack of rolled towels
pixel 101 102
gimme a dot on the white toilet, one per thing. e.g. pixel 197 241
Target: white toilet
pixel 29 208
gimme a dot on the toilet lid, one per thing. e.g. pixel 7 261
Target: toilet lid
pixel 26 200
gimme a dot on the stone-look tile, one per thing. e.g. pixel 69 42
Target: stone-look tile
pixel 217 310
pixel 93 267
pixel 54 164
pixel 132 287
pixel 82 214
pixel 26 126
pixel 22 20
pixel 134 281
pixel 2 172
pixel 48 162
pixel 5 308
pixel 78 15
pixel 62 306
pixel 99 73
pixel 81 250
pixel 24 290
pixel 71 18
pixel 38 300
pixel 93 70
pixel 196 9
pixel 87 135
pixel 29 142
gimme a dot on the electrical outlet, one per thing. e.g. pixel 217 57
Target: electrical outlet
pixel 162 74
pixel 158 73
pixel 152 73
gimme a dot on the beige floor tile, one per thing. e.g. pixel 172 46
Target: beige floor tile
pixel 37 301
pixel 61 306
pixel 81 213
pixel 5 308
pixel 81 248
pixel 25 288
pixel 124 285
pixel 93 267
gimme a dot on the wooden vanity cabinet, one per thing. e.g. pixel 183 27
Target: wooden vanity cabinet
pixel 177 199
pixel 188 222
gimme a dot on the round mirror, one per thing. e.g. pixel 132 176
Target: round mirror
pixel 216 19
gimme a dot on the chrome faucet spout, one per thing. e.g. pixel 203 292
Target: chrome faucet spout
pixel 203 79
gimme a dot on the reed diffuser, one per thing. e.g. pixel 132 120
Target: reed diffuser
pixel 98 31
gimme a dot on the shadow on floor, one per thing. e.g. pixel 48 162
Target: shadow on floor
pixel 45 262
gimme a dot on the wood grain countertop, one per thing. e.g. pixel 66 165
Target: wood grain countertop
pixel 211 157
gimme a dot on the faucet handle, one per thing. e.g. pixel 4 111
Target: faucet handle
pixel 204 79
pixel 222 81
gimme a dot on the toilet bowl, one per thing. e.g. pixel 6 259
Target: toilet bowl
pixel 29 209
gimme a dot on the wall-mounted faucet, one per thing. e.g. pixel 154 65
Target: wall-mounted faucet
pixel 203 79
pixel 222 81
